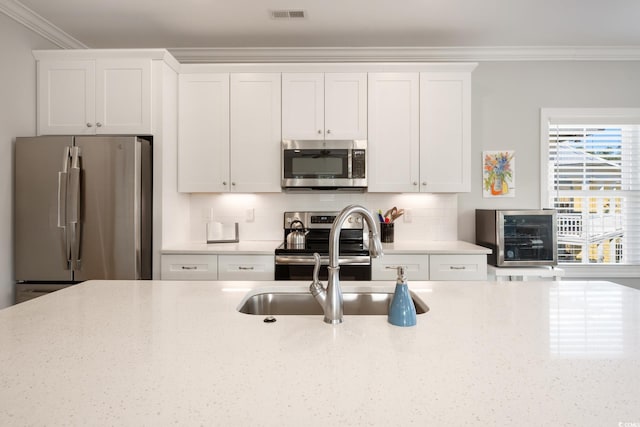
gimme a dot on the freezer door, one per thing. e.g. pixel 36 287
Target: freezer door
pixel 110 208
pixel 40 245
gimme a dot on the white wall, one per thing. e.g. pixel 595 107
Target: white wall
pixel 17 118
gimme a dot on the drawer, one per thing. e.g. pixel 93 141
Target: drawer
pixel 457 267
pixel 189 267
pixel 417 267
pixel 246 267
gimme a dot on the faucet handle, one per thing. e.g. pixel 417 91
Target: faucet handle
pixel 316 267
pixel 317 290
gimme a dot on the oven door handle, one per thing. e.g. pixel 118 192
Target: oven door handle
pixel 324 260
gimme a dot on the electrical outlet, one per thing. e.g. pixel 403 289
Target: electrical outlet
pixel 250 215
pixel 407 216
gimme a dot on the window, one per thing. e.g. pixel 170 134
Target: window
pixel 593 181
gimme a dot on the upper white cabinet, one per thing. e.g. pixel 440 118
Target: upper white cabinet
pixel 94 96
pixel 324 105
pixel 420 132
pixel 229 132
pixel 394 132
pixel 203 132
pixel 255 132
pixel 445 132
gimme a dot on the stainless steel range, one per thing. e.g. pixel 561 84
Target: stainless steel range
pixel 295 262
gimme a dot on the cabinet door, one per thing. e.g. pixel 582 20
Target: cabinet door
pixel 445 132
pixel 189 267
pixel 66 97
pixel 255 132
pixel 345 106
pixel 394 132
pixel 203 132
pixel 123 96
pixel 246 267
pixel 302 106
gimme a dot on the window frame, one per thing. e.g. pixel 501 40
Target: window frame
pixel 586 116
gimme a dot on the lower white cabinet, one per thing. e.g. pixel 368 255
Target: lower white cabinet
pixel 383 268
pixel 457 267
pixel 216 267
pixel 189 267
pixel 245 267
pixel 431 267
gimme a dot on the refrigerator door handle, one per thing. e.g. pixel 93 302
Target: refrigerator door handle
pixel 62 209
pixel 73 207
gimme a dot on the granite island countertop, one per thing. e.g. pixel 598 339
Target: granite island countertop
pixel 178 353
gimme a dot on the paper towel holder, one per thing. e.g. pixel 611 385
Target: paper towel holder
pixel 222 232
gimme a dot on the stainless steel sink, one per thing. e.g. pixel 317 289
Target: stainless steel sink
pixel 355 303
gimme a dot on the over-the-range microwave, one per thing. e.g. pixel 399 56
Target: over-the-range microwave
pixel 518 238
pixel 324 164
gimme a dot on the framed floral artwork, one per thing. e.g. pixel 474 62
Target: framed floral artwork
pixel 498 174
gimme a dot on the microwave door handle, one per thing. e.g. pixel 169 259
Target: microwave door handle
pixel 63 176
pixel 73 207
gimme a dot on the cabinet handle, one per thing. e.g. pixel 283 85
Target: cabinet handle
pixel 189 267
pixel 319 132
pixel 89 125
pixel 99 124
pixel 453 267
pixel 244 268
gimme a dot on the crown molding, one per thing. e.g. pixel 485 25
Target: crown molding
pixel 25 16
pixel 406 54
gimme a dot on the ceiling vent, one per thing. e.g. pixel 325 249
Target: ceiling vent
pixel 287 14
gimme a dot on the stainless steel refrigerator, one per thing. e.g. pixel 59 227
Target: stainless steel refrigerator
pixel 82 211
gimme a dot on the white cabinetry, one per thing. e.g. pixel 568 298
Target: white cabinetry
pixel 383 268
pixel 394 132
pixel 229 132
pixel 419 132
pixel 217 267
pixel 246 267
pixel 324 105
pixel 203 132
pixel 445 132
pixel 94 96
pixel 457 267
pixel 255 132
pixel 431 266
pixel 189 267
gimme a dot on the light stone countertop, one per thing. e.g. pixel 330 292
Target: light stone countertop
pixel 267 247
pixel 178 353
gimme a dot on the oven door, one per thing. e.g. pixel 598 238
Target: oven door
pixel 300 267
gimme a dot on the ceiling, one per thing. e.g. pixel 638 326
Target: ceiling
pixel 343 23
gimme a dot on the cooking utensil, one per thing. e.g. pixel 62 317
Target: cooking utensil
pixel 297 238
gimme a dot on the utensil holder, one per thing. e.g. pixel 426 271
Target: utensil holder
pixel 386 232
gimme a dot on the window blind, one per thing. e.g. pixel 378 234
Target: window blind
pixel 594 184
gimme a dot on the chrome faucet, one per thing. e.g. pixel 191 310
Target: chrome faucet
pixel 331 298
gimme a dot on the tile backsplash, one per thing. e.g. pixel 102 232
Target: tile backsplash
pixel 429 216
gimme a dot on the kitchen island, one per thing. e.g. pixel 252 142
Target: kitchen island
pixel 179 353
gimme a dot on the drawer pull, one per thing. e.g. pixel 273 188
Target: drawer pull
pixel 455 267
pixel 244 268
pixel 189 267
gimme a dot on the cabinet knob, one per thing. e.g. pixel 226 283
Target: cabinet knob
pixel 99 124
pixel 89 125
pixel 224 182
pixel 233 183
pixel 328 131
pixel 319 132
pixel 424 183
pixel 415 183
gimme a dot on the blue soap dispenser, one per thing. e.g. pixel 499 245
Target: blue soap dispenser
pixel 402 311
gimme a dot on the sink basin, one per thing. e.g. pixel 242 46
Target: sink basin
pixel 301 303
